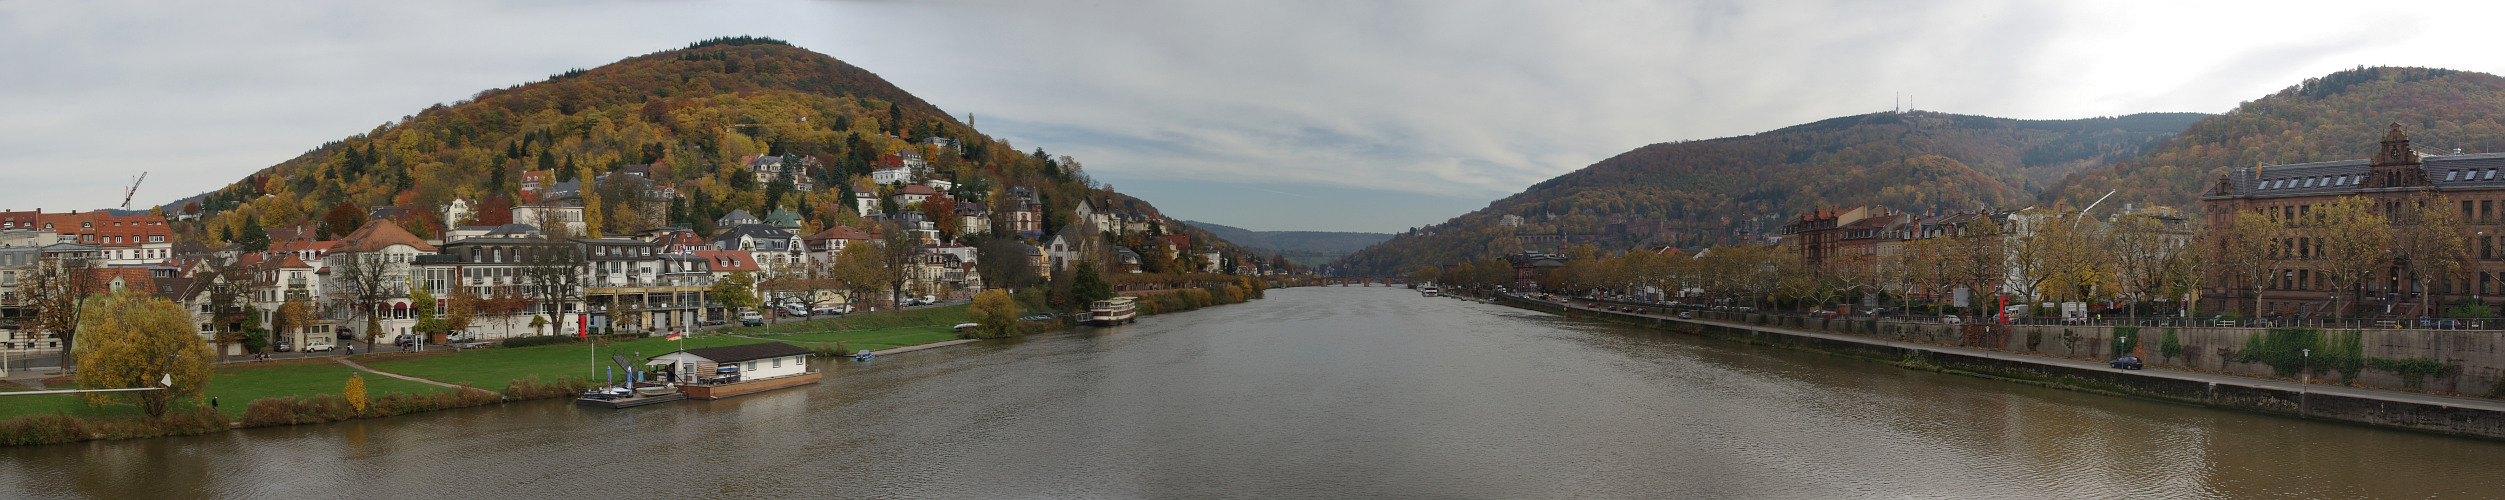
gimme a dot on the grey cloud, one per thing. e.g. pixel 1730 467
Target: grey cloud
pixel 1434 101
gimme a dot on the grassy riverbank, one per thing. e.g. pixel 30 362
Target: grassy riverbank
pixel 311 389
pixel 234 385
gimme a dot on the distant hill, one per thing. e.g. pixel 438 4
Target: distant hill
pixel 689 121
pixel 2339 116
pixel 1715 191
pixel 1294 241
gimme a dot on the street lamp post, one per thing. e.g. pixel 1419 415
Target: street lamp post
pixel 2304 380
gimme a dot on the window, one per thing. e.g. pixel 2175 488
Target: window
pixel 778 362
pixel 2448 174
pixel 752 366
pixel 2491 175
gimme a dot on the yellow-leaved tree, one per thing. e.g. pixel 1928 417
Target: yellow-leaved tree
pixel 996 314
pixel 354 392
pixel 132 339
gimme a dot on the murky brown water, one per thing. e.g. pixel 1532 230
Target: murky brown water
pixel 1330 392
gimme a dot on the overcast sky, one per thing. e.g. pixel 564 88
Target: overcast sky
pixel 1268 115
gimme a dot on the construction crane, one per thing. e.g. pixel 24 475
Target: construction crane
pixel 127 194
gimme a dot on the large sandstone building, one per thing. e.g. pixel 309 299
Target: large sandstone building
pixel 2395 174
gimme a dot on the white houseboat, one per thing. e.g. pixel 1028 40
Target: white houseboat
pixel 1113 311
pixel 721 372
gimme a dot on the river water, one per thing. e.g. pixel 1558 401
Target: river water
pixel 1316 392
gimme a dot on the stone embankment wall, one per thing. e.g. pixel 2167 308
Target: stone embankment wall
pixel 2477 360
pixel 1868 339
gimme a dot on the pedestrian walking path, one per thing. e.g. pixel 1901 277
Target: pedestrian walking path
pixel 352 364
pixel 933 345
pixel 2212 378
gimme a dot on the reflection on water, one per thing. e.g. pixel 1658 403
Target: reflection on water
pixel 1322 392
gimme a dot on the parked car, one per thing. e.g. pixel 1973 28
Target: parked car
pixel 282 346
pixel 404 340
pixel 1951 320
pixel 751 318
pixel 1825 313
pixel 2126 363
pixel 472 345
pixel 832 310
pixel 1686 315
pixel 316 346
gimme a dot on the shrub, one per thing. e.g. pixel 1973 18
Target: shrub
pixel 2170 346
pixel 533 388
pixel 322 408
pixel 2413 371
pixel 43 429
pixel 2280 348
pixel 2126 338
pixel 200 420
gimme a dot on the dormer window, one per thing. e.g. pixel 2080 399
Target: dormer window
pixel 2448 174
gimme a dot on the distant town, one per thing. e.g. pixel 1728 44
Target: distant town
pixel 538 273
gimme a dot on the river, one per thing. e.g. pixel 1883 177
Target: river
pixel 1316 392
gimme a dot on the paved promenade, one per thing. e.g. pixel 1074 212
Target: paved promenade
pixel 2211 378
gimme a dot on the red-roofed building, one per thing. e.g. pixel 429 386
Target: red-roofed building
pixel 19 220
pixel 125 239
pixel 536 181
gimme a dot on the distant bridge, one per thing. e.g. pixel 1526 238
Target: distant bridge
pixel 1360 281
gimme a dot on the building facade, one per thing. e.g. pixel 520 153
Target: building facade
pixel 2298 286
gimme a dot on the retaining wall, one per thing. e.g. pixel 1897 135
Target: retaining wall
pixel 2083 342
pixel 2477 357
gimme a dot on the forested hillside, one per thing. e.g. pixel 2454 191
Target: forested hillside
pixel 2336 117
pixel 690 119
pixel 1715 191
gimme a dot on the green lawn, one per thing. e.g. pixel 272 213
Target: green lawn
pixel 234 385
pixel 493 369
pixel 940 316
pixel 873 339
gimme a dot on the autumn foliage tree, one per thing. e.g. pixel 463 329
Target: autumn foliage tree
pixel 995 312
pixel 132 339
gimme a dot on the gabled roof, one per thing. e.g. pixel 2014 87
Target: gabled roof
pixel 727 260
pixel 841 233
pixel 745 352
pixel 304 244
pixel 753 231
pixel 378 234
pixel 765 161
pixel 783 217
pixel 289 261
pixel 736 217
